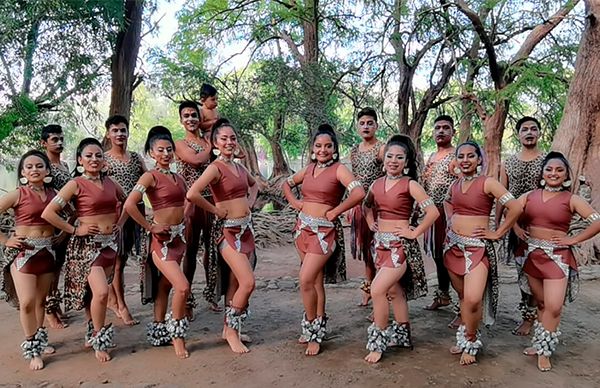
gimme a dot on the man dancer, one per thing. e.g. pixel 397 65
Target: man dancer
pixel 125 168
pixel 53 140
pixel 437 177
pixel 519 173
pixel 193 156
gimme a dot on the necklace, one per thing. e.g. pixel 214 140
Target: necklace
pixel 165 171
pixel 91 178
pixel 325 165
pixel 225 159
pixel 37 189
pixel 394 177
pixel 553 189
pixel 469 178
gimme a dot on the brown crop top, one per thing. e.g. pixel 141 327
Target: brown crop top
pixel 555 213
pixel 475 202
pixel 229 185
pixel 394 204
pixel 94 201
pixel 325 188
pixel 168 190
pixel 28 211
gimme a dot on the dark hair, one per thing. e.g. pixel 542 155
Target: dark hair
pixel 551 156
pixel 82 144
pixel 367 112
pixel 207 90
pixel 48 129
pixel 326 129
pixel 114 120
pixel 444 118
pixel 478 151
pixel 40 155
pixel 409 148
pixel 157 133
pixel 220 123
pixel 189 104
pixel 525 119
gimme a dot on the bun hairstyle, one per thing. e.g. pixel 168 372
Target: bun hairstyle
pixel 82 145
pixel 411 154
pixel 326 129
pixel 559 156
pixel 156 133
pixel 478 151
pixel 40 155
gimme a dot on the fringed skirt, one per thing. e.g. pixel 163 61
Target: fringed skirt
pixel 360 236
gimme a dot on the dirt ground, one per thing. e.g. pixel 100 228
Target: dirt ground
pixel 276 360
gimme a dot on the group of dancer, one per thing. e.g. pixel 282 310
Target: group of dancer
pixel 85 224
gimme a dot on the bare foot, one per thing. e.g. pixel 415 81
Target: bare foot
pixel 102 356
pixel 234 341
pixel 36 363
pixel 212 306
pixel 189 313
pixel 437 303
pixel 313 349
pixel 373 357
pixel 243 337
pixel 369 317
pixel 455 350
pixel 530 351
pixel 180 349
pixel 128 320
pixel 366 298
pixel 55 322
pixel 523 329
pixel 302 340
pixel 456 322
pixel 115 309
pixel 48 350
pixel 467 359
pixel 544 364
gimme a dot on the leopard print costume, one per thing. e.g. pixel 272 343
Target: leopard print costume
pixel 523 175
pixel 189 173
pixel 125 173
pixel 60 175
pixel 365 165
pixel 437 178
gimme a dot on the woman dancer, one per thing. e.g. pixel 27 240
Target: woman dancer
pixel 234 191
pixel 29 259
pixel 400 271
pixel 324 182
pixel 166 192
pixel 92 249
pixel 468 252
pixel 550 266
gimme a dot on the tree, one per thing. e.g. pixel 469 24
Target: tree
pixel 578 136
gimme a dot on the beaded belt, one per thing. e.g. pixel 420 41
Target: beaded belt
pixel 105 241
pixel 174 231
pixel 385 239
pixel 548 247
pixel 244 223
pixel 462 243
pixel 38 243
pixel 313 223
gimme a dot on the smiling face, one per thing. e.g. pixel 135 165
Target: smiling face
pixel 468 159
pixel 443 131
pixel 190 119
pixel 162 152
pixel 394 160
pixel 91 159
pixel 367 126
pixel 529 134
pixel 555 173
pixel 118 134
pixel 323 148
pixel 226 141
pixel 34 169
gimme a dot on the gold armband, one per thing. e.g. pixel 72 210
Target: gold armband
pixel 60 201
pixel 593 218
pixel 505 198
pixel 353 185
pixel 426 203
pixel 140 188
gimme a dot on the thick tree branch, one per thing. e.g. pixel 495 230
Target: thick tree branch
pixel 9 79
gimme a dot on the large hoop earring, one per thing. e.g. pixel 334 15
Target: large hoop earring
pixel 335 155
pixel 542 183
pixel 216 152
pixel 313 157
pixel 23 180
pixel 47 179
pixel 479 169
pixel 567 184
pixel 405 171
pixel 80 169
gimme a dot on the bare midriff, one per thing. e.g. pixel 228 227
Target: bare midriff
pixel 544 233
pixel 169 215
pixel 34 231
pixel 315 209
pixel 236 208
pixel 387 225
pixel 466 225
pixel 104 222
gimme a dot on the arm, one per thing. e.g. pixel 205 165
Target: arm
pixel 252 187
pixel 521 233
pixel 448 208
pixel 356 193
pixel 135 197
pixel 9 201
pixel 188 155
pixel 368 205
pixel 380 154
pixel 292 181
pixel 581 207
pixel 194 194
pixel 121 197
pixel 504 182
pixel 514 210
pixel 51 212
pixel 427 205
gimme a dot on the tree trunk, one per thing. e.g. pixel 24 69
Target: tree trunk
pixel 578 135
pixel 280 165
pixel 494 130
pixel 251 159
pixel 124 59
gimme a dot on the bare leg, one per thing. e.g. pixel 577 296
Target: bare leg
pixel 192 236
pixel 458 285
pixel 118 292
pixel 97 280
pixel 471 306
pixel 554 296
pixel 44 282
pixel 537 288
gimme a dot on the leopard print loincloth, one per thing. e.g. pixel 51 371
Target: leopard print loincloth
pixel 437 178
pixel 125 173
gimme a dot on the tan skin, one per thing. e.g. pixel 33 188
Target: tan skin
pixel 162 152
pixel 92 161
pixel 470 287
pixel 386 281
pixel 528 134
pixel 31 289
pixel 118 134
pixel 242 282
pixel 54 147
pixel 311 271
pixel 210 114
pixel 551 292
pixel 366 127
